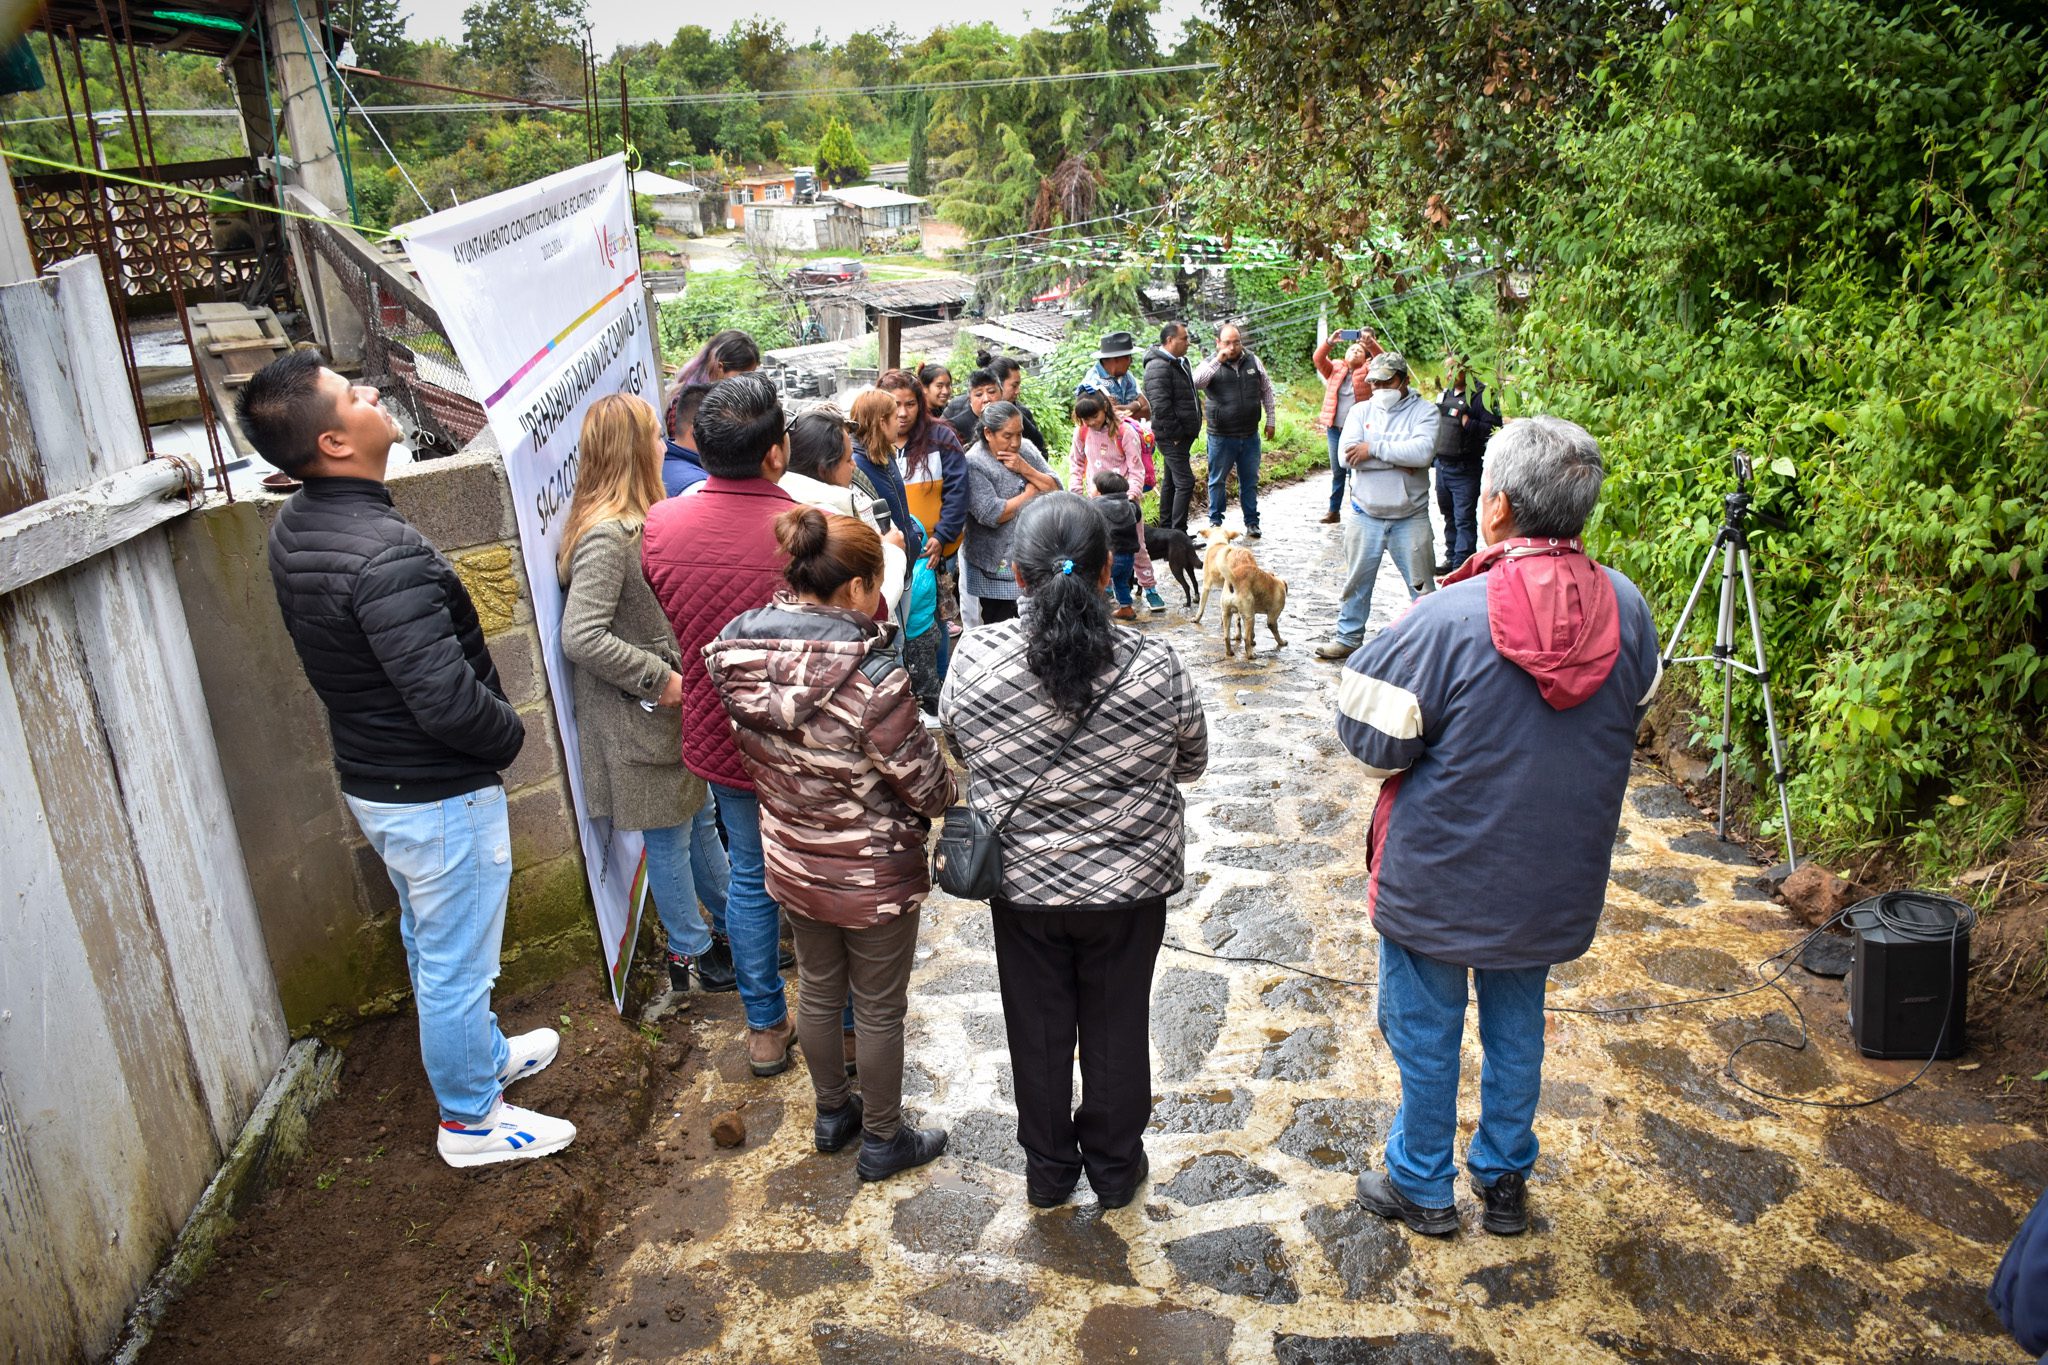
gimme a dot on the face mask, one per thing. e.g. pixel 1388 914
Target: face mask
pixel 1385 398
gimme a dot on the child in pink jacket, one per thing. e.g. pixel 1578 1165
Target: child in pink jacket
pixel 1105 441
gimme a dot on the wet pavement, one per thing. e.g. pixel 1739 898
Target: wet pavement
pixel 1678 1217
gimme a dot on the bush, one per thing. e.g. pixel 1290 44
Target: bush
pixel 1817 233
pixel 714 301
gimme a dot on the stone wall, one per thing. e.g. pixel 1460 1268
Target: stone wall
pixel 330 916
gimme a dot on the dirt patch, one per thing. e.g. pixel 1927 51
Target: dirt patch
pixel 371 1247
pixel 2008 1022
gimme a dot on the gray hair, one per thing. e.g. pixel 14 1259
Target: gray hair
pixel 1550 470
pixel 999 414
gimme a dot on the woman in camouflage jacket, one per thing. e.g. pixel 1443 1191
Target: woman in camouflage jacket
pixel 849 779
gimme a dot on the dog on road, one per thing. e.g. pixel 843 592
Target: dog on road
pixel 1248 593
pixel 1217 544
pixel 1177 551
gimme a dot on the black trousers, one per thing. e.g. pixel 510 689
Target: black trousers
pixel 994 609
pixel 1176 483
pixel 1083 975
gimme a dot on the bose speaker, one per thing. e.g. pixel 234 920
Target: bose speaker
pixel 1909 975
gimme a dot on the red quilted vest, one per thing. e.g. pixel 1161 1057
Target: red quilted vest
pixel 710 554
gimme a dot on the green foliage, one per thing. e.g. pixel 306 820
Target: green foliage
pixel 513 36
pixel 838 159
pixel 714 301
pixel 1328 122
pixel 1816 232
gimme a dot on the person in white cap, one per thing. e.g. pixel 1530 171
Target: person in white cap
pixel 1389 442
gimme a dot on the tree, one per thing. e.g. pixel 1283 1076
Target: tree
pixel 920 181
pixel 377 29
pixel 760 53
pixel 513 35
pixel 839 161
pixel 1326 124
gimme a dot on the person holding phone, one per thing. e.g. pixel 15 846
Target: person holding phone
pixel 1344 383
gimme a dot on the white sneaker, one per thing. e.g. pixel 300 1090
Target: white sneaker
pixel 508 1134
pixel 531 1053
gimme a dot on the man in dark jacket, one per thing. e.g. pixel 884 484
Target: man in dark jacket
pixel 1239 390
pixel 709 557
pixel 1501 715
pixel 1176 421
pixel 421 728
pixel 1464 425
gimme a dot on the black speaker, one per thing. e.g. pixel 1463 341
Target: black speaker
pixel 1909 975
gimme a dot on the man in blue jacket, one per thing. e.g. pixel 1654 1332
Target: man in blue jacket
pixel 392 646
pixel 1500 714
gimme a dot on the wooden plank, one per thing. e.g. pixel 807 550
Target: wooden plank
pixel 131 623
pixel 51 536
pixel 75 1186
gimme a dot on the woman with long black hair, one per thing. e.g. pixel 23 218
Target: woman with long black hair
pixel 1092 849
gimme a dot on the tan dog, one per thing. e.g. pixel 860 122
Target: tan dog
pixel 1218 542
pixel 1248 593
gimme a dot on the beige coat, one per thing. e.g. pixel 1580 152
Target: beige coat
pixel 621 650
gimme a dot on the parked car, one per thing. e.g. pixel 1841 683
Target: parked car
pixel 828 274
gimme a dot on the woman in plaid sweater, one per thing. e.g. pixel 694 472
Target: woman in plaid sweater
pixel 1091 853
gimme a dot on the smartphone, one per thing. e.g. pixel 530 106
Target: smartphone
pixel 1350 334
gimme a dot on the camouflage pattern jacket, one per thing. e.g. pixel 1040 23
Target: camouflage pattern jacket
pixel 848 777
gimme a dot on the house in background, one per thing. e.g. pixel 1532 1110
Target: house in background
pixel 883 212
pixel 823 226
pixel 762 187
pixel 678 205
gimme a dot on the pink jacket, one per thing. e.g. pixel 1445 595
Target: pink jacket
pixel 1094 451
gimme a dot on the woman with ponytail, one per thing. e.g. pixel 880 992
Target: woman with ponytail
pixel 849 781
pixel 1092 849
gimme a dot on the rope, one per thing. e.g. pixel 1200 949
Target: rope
pixel 348 95
pixel 206 195
pixel 348 178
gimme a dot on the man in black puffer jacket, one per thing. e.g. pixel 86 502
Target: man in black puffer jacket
pixel 1176 420
pixel 391 644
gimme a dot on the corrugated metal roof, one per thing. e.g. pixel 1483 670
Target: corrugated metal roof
pixel 871 197
pixel 913 293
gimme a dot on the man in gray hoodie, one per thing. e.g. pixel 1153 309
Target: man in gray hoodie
pixel 1389 443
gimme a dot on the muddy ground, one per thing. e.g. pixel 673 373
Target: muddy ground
pixel 1680 1217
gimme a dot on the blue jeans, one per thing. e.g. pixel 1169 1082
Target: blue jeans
pixel 674 889
pixel 451 862
pixel 1457 494
pixel 1410 540
pixel 753 920
pixel 1340 473
pixel 1122 571
pixel 1242 454
pixel 1422 1017
pixel 708 868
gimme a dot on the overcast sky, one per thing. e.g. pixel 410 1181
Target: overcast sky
pixel 636 21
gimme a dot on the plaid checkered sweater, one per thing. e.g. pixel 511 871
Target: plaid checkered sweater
pixel 1105 825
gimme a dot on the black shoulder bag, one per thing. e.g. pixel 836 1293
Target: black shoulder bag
pixel 968 859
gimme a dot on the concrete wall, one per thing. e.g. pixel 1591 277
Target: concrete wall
pixel 329 914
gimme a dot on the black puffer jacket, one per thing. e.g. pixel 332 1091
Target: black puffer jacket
pixel 1170 389
pixel 391 643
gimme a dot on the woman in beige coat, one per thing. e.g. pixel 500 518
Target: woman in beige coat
pixel 623 662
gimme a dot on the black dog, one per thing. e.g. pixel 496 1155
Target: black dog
pixel 1176 550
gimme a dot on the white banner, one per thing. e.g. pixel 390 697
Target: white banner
pixel 539 289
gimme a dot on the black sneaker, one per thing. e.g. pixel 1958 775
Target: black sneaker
pixel 679 973
pixel 1376 1194
pixel 1116 1199
pixel 1444 568
pixel 881 1158
pixel 834 1130
pixel 1252 534
pixel 1506 1203
pixel 715 973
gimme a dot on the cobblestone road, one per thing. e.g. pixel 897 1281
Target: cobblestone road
pixel 1678 1217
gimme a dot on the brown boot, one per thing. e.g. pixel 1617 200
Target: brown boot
pixel 1331 519
pixel 852 1061
pixel 768 1048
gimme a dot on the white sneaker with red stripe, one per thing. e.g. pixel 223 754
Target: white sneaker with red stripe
pixel 531 1053
pixel 508 1133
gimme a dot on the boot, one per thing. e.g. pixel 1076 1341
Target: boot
pixel 768 1048
pixel 835 1129
pixel 1376 1194
pixel 881 1158
pixel 715 974
pixel 1505 1205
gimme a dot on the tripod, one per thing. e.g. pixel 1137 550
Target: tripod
pixel 1731 546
